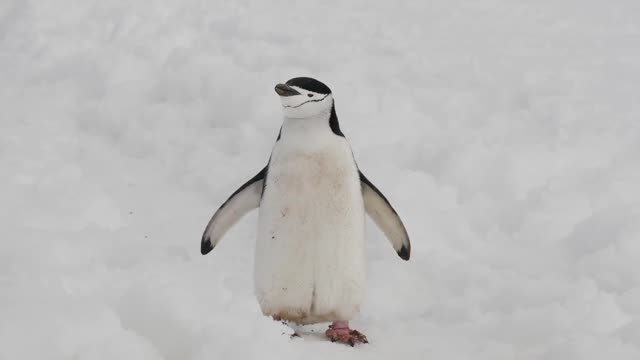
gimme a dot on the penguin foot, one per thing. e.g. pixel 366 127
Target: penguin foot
pixel 339 331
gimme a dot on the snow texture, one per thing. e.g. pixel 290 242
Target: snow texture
pixel 505 133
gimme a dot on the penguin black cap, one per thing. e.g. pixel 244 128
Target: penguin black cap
pixel 305 83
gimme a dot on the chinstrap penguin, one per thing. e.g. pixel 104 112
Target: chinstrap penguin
pixel 312 200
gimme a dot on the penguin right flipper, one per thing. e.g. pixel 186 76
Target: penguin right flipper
pixel 383 214
pixel 243 200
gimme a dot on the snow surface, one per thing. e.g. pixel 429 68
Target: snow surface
pixel 506 134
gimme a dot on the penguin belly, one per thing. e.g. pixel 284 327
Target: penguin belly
pixel 309 260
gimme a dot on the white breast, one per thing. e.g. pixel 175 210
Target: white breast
pixel 310 247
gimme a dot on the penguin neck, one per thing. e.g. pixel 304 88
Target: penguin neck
pixel 323 123
pixel 312 125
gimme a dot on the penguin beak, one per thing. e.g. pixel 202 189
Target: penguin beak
pixel 286 90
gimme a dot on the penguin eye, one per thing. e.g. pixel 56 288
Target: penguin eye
pixel 310 95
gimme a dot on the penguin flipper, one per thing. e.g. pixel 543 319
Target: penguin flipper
pixel 384 215
pixel 242 201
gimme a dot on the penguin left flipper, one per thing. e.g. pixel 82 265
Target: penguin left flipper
pixel 243 200
pixel 384 215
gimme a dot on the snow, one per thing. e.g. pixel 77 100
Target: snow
pixel 505 133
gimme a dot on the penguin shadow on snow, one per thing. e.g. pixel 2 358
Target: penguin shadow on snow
pixel 314 332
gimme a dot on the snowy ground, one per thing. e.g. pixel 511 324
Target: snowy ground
pixel 506 133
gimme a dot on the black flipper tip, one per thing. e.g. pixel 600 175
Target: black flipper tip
pixel 404 253
pixel 205 246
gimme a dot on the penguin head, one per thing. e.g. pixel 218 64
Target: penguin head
pixel 304 97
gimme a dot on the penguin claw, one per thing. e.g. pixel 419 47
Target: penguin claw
pixel 346 336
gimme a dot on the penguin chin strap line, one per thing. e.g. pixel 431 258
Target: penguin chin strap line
pixel 308 101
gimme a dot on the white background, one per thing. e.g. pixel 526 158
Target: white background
pixel 505 133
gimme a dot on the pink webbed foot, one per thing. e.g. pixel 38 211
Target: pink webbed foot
pixel 339 331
